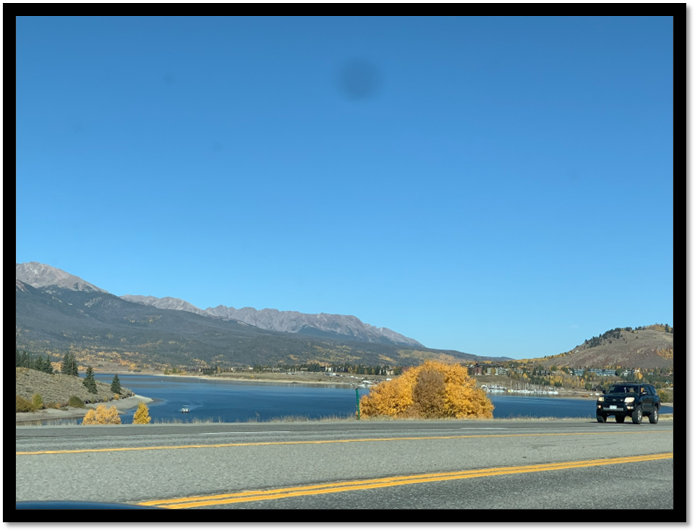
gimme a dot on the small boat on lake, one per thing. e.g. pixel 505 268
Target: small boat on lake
pixel 185 409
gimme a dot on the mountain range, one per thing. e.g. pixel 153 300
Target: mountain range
pixel 56 310
pixel 324 325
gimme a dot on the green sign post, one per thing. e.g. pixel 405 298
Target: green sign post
pixel 357 400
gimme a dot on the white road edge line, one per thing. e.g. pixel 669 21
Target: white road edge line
pixel 247 432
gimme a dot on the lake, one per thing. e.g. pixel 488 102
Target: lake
pixel 234 401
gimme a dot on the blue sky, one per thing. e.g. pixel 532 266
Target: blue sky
pixel 498 186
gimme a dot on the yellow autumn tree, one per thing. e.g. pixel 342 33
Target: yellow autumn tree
pixel 102 416
pixel 90 418
pixel 142 415
pixel 431 390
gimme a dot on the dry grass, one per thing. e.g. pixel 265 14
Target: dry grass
pixel 282 419
pixel 50 422
pixel 188 421
pixel 290 419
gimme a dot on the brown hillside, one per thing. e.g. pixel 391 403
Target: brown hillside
pixel 58 388
pixel 649 347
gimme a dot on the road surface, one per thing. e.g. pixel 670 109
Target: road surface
pixel 351 465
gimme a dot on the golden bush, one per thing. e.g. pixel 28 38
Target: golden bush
pixel 142 415
pixel 431 390
pixel 102 416
pixel 90 418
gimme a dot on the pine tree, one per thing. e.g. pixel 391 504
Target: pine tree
pixel 65 365
pixel 24 360
pixel 69 365
pixel 116 385
pixel 89 381
pixel 19 359
pixel 44 365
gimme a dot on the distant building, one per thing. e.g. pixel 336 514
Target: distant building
pixel 475 369
pixel 579 372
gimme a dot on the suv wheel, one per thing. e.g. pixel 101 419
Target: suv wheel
pixel 601 418
pixel 620 418
pixel 654 416
pixel 638 415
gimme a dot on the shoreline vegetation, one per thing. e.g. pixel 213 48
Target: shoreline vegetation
pixel 69 412
pixel 44 396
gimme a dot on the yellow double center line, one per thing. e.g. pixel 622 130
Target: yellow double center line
pixel 367 484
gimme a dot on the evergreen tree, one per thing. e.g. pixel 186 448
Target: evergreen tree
pixel 89 381
pixel 49 366
pixel 44 365
pixel 65 364
pixel 25 360
pixel 116 385
pixel 69 365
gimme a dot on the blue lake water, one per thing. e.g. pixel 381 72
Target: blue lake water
pixel 233 401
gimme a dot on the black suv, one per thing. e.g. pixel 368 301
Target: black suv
pixel 629 399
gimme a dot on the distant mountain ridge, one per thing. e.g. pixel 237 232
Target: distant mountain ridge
pixel 170 303
pixel 323 325
pixel 40 275
pixel 297 322
pixel 334 326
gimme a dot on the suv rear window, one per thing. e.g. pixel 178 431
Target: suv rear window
pixel 619 388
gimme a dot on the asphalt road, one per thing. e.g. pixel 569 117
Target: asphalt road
pixel 352 465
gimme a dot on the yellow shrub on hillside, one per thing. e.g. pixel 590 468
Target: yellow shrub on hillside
pixel 102 416
pixel 431 390
pixel 666 353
